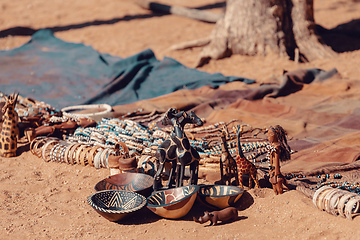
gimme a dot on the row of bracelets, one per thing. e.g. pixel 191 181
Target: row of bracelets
pixel 336 201
pixel 56 150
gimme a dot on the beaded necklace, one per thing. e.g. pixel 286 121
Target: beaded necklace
pixel 351 187
pixel 251 150
pixel 139 137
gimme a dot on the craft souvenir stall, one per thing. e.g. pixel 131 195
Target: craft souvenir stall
pixel 205 142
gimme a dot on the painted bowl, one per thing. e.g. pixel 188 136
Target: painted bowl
pixel 116 204
pixel 134 182
pixel 173 203
pixel 219 196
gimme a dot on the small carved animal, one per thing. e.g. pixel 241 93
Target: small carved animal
pixel 227 162
pixel 228 214
pixel 177 150
pixel 10 130
pixel 245 166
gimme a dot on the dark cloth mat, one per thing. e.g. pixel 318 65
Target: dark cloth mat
pixel 64 74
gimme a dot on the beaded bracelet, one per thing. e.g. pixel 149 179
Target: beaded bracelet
pixel 38 146
pixel 37 143
pixel 352 206
pixel 103 157
pixel 45 150
pixel 342 201
pixel 78 152
pixel 327 199
pixel 97 159
pixel 56 153
pixel 91 155
pixel 317 193
pixel 320 198
pixel 84 156
pixel 53 152
pixel 66 153
pixel 62 153
pixel 334 201
pixel 324 204
pixel 33 142
pixel 72 156
pixel 57 157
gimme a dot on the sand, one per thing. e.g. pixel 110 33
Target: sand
pixel 42 200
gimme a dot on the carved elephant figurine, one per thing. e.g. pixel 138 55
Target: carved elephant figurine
pixel 225 215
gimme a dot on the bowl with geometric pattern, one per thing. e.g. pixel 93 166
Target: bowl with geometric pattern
pixel 219 196
pixel 128 181
pixel 116 204
pixel 173 203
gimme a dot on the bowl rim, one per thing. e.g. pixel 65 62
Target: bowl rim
pixel 197 187
pixel 91 202
pixel 127 173
pixel 241 190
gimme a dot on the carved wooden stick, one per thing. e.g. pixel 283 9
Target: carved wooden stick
pixel 201 15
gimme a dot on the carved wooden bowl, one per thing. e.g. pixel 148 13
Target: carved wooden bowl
pixel 173 203
pixel 134 182
pixel 116 204
pixel 219 196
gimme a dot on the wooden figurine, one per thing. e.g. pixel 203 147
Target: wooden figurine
pixel 244 165
pixel 176 149
pixel 123 162
pixel 10 129
pixel 225 215
pixel 227 162
pixel 279 151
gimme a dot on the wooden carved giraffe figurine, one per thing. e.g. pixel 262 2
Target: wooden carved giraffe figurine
pixel 227 162
pixel 177 150
pixel 245 166
pixel 10 130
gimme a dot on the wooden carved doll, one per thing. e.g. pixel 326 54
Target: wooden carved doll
pixel 279 151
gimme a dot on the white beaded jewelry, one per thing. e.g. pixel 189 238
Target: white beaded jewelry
pixel 97 159
pixel 54 151
pixel 62 153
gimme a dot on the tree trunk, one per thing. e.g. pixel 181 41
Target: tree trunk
pixel 260 27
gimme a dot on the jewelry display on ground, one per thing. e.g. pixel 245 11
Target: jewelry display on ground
pixel 337 201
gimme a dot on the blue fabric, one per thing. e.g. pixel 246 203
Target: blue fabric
pixel 64 74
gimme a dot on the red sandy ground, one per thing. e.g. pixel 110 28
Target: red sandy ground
pixel 48 201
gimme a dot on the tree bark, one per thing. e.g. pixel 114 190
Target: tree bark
pixel 261 27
